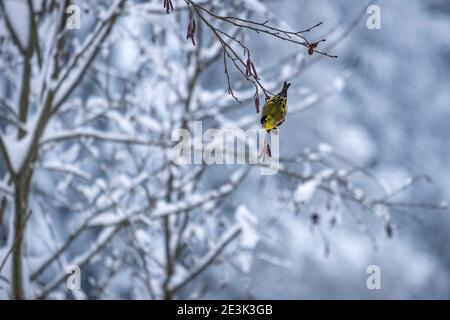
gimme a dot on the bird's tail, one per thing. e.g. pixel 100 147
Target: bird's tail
pixel 285 88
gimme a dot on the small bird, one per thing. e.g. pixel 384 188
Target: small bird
pixel 275 109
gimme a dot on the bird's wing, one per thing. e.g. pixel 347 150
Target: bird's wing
pixel 267 109
pixel 271 106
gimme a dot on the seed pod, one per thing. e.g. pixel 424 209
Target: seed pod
pixel 248 70
pixel 189 30
pixel 389 231
pixel 168 5
pixel 257 104
pixel 311 47
pixel 315 218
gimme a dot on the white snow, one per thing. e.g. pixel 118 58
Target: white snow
pixel 14 10
pixel 305 191
pixel 355 142
pixel 18 150
pixel 149 123
pixel 339 83
pixel 67 168
pixel 248 223
pixel 256 6
pixel 106 219
pixel 325 148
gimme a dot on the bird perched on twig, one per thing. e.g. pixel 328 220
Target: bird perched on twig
pixel 273 114
pixel 275 109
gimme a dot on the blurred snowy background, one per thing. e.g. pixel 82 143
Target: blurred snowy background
pixel 384 103
pixel 395 110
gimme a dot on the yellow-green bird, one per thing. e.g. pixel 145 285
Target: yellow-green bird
pixel 275 109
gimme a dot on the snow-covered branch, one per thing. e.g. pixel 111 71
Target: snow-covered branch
pixel 88 133
pixel 208 258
